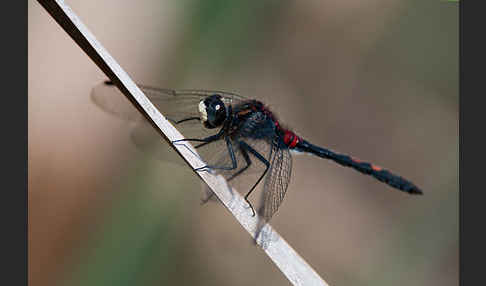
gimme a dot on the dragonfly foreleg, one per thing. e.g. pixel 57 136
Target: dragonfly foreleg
pixel 187 119
pixel 205 141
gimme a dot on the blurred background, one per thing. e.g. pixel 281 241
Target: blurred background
pixel 375 79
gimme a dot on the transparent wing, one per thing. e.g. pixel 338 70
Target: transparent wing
pixel 276 182
pixel 111 100
pixel 244 176
pixel 256 167
pixel 175 105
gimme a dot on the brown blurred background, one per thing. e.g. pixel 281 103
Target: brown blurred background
pixel 376 79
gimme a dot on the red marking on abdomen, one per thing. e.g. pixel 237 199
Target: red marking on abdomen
pixel 376 168
pixel 356 160
pixel 290 139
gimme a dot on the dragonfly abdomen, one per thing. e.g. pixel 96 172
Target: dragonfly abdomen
pixel 377 172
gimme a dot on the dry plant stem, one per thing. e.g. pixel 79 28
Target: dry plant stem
pixel 287 260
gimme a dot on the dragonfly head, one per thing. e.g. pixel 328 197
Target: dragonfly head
pixel 212 111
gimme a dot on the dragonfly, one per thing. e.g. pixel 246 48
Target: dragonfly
pixel 238 133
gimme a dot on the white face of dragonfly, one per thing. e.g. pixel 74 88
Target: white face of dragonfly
pixel 203 113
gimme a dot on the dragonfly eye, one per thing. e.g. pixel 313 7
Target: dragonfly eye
pixel 212 111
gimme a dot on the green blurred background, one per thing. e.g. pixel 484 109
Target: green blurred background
pixel 376 79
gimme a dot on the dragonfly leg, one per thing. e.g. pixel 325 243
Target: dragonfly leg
pixel 176 122
pixel 234 164
pixel 206 140
pixel 245 146
pixel 248 164
pixel 202 144
pixel 187 119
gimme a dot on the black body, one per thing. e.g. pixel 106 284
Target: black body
pixel 363 167
pixel 250 131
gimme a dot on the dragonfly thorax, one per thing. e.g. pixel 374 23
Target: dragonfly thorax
pixel 212 111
